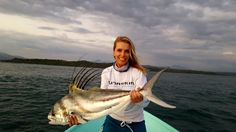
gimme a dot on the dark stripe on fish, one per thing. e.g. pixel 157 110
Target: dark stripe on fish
pixel 61 104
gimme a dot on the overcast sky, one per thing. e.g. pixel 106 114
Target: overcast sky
pixel 194 34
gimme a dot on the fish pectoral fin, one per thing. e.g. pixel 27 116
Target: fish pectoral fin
pixel 79 117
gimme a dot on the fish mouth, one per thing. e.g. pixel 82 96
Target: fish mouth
pixel 51 121
pixel 54 122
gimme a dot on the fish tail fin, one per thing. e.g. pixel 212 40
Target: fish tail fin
pixel 156 100
pixel 150 96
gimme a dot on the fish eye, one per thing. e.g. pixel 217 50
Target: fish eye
pixel 52 113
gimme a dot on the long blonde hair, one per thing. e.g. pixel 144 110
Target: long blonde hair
pixel 133 59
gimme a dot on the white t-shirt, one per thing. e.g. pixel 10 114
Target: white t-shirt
pixel 128 80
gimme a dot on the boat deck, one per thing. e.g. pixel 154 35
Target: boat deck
pixel 153 124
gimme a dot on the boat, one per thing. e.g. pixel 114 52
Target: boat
pixel 153 124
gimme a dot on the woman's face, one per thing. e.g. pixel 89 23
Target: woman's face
pixel 121 53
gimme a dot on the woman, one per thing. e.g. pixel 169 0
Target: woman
pixel 125 74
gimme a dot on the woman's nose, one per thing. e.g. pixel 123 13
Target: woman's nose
pixel 122 53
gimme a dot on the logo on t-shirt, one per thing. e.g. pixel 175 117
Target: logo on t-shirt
pixel 120 83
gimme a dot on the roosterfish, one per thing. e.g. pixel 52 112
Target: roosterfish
pixel 92 103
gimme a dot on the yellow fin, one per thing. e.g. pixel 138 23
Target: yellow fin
pixel 73 88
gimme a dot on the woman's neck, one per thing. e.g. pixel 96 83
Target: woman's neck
pixel 123 68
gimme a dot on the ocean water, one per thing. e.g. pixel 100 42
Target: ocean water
pixel 205 103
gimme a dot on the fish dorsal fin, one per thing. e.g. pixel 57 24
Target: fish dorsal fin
pixel 83 77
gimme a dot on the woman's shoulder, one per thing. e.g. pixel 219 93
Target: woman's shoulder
pixel 135 70
pixel 107 69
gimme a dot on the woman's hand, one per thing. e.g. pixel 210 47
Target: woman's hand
pixel 73 120
pixel 136 96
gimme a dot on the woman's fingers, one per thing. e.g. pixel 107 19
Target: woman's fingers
pixel 76 120
pixel 73 120
pixel 69 121
pixel 136 96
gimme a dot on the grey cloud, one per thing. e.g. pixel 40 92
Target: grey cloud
pixel 50 47
pixel 143 21
pixel 218 4
pixel 79 30
pixel 47 28
pixel 51 10
pixel 22 41
pixel 192 61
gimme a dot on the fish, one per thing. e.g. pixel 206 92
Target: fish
pixel 90 104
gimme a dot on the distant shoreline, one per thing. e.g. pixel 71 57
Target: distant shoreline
pixel 85 63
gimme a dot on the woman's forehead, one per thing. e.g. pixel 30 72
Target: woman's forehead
pixel 122 45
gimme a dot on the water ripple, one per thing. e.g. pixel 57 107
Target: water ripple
pixel 28 94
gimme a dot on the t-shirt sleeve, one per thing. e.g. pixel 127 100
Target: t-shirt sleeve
pixel 104 81
pixel 141 81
